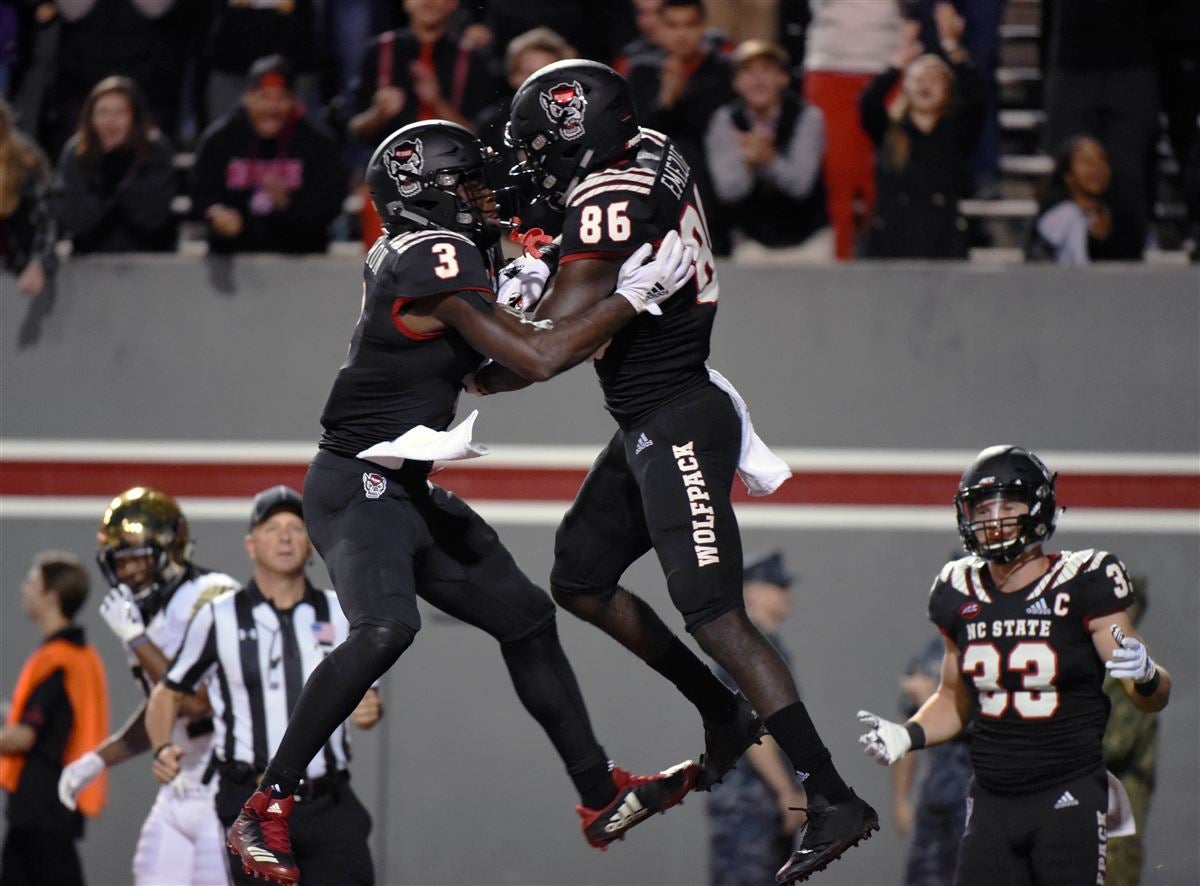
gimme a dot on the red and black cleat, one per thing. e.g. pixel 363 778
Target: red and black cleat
pixel 638 797
pixel 259 838
pixel 831 830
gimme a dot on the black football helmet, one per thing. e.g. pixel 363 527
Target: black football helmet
pixel 568 119
pixel 1015 474
pixel 431 174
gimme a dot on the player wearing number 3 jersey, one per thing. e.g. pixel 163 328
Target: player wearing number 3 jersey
pixel 1028 637
pixel 664 480
pixel 429 316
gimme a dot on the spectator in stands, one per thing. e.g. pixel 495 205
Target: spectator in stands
pixel 526 54
pixel 421 72
pixel 143 39
pixel 1100 79
pixel 1176 32
pixel 27 228
pixel 924 141
pixel 597 30
pixel 981 39
pixel 115 178
pixel 765 151
pixel 646 46
pixel 268 179
pixel 1081 217
pixel 242 32
pixel 849 42
pixel 678 92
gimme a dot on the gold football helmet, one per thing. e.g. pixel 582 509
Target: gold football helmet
pixel 145 525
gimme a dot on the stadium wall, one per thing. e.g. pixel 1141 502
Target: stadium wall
pixel 878 381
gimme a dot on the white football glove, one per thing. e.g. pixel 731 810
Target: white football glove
pixel 645 283
pixel 76 776
pixel 1130 660
pixel 887 742
pixel 522 282
pixel 122 614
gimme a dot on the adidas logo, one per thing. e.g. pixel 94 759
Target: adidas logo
pixel 630 810
pixel 274 807
pixel 1038 607
pixel 1066 801
pixel 262 855
pixel 642 443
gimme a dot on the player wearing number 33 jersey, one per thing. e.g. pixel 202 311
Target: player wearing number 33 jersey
pixel 1029 636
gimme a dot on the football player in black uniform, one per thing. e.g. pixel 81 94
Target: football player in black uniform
pixel 386 534
pixel 664 480
pixel 1028 637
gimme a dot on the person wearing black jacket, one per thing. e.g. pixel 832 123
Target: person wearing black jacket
pixel 923 146
pixel 677 93
pixel 268 179
pixel 422 72
pixel 115 178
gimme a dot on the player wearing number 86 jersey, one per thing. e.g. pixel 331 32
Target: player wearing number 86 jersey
pixel 1028 637
pixel 664 480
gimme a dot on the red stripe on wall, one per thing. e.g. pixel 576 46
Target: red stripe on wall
pixel 105 479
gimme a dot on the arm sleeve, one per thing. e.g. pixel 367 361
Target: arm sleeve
pixel 1064 228
pixel 873 104
pixel 197 655
pixel 969 94
pixel 731 177
pixel 82 206
pixel 320 198
pixel 46 703
pixel 795 173
pixel 208 174
pixel 1103 589
pixel 146 199
pixel 435 265
pixel 943 610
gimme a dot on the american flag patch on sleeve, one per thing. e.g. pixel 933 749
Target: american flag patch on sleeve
pixel 323 632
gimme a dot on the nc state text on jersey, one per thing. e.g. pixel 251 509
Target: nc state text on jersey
pixel 1009 627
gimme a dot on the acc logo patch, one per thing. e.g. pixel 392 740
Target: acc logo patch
pixel 564 104
pixel 374 485
pixel 404 161
pixel 969 609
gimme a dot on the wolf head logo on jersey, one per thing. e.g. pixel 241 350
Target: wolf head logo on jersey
pixel 564 104
pixel 403 162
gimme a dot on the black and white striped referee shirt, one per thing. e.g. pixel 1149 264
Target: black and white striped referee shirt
pixel 256 659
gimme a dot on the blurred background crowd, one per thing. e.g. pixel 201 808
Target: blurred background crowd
pixel 1061 130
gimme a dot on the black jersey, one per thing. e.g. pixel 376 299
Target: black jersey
pixel 395 378
pixel 614 210
pixel 1029 660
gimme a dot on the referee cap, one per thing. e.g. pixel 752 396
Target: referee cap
pixel 767 567
pixel 277 498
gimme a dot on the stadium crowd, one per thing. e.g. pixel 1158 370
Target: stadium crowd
pixel 819 128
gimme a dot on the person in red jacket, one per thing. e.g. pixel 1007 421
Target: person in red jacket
pixel 59 709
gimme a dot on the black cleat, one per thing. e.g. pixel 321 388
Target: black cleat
pixel 724 743
pixel 831 830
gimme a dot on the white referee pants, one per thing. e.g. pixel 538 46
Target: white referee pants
pixel 182 842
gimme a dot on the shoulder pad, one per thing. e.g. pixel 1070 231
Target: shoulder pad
pixel 624 182
pixel 1070 565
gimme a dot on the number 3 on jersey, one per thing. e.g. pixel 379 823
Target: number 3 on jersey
pixel 693 230
pixel 447 265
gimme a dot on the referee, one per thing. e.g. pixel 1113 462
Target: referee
pixel 254 649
